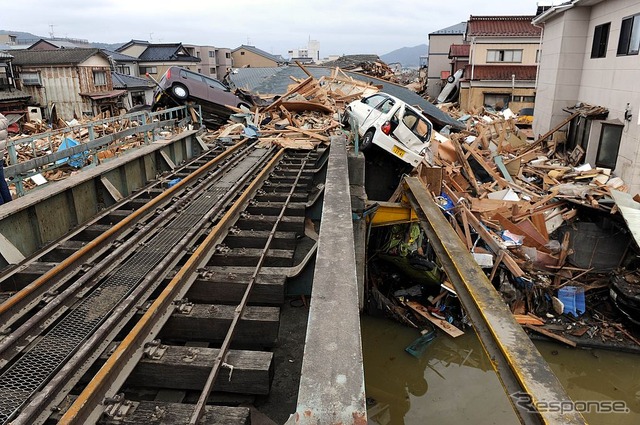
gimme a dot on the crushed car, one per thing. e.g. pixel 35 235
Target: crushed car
pixel 392 125
pixel 179 85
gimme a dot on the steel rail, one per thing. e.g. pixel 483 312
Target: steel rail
pixel 226 344
pixel 110 263
pixel 106 330
pixel 13 269
pixel 86 408
pixel 15 302
pixel 521 369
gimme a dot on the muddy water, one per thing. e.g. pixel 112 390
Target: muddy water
pixel 453 382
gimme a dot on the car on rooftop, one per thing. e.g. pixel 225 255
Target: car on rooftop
pixel 179 85
pixel 392 125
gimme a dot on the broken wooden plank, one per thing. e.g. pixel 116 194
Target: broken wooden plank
pixel 551 335
pixel 442 324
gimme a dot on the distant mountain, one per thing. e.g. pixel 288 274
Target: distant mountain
pixel 26 39
pixel 407 56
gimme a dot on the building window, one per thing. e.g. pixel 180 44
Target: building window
pixel 212 70
pixel 610 137
pixel 629 41
pixel 228 55
pixel 538 52
pixel 197 54
pixel 497 101
pixel 30 78
pixel 212 53
pixel 241 53
pixel 504 56
pixel 99 78
pixel 148 69
pixel 600 39
pixel 122 69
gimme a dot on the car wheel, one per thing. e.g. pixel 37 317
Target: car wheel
pixel 180 91
pixel 451 79
pixel 367 141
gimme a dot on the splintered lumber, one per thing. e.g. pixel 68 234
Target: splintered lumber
pixel 525 319
pixel 551 335
pixel 550 132
pixel 465 166
pixel 442 324
pixel 289 93
pixel 507 260
pixel 310 134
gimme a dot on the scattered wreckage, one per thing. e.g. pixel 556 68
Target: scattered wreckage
pixel 546 230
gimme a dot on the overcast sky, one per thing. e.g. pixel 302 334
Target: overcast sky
pixel 341 26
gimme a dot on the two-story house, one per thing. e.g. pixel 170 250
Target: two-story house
pixel 502 62
pixel 590 55
pixel 250 56
pixel 214 61
pixel 71 82
pixel 12 100
pixel 156 58
pixel 439 64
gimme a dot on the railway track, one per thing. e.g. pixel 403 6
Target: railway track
pixel 165 303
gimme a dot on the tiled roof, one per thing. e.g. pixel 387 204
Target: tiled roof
pixel 53 57
pixel 501 72
pixel 452 30
pixel 253 49
pixel 122 81
pixel 166 52
pixel 459 50
pixel 514 26
pixel 119 57
pixel 131 43
pixel 4 55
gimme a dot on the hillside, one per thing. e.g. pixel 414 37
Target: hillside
pixel 408 56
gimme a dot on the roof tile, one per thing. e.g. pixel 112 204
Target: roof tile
pixel 501 72
pixel 514 26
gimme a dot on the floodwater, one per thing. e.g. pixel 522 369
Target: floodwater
pixel 454 383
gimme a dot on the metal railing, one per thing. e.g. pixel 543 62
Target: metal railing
pixel 92 138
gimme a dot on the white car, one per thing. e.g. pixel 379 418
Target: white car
pixel 391 124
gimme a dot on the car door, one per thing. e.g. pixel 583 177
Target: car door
pixel 413 129
pixel 194 83
pixel 220 94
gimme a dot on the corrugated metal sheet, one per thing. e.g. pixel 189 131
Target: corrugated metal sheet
pixel 630 211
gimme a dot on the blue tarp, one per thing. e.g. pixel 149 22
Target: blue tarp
pixel 76 160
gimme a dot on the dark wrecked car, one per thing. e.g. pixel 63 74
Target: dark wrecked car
pixel 179 85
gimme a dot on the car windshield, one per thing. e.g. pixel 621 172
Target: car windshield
pixel 374 100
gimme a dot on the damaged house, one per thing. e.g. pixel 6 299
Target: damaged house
pixel 67 83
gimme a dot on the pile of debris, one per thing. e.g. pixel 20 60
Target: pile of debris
pixel 304 117
pixel 37 140
pixel 365 64
pixel 544 227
